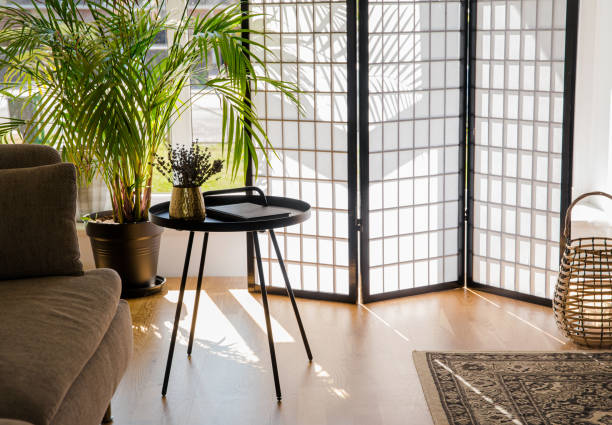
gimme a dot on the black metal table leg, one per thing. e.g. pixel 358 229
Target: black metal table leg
pixel 197 297
pixel 290 292
pixel 264 297
pixel 177 316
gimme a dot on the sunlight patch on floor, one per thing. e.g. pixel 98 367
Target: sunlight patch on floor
pixel 472 388
pixel 384 322
pixel 144 329
pixel 528 323
pixel 217 335
pixel 325 376
pixel 213 331
pixel 256 311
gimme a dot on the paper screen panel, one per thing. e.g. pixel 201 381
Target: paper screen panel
pixel 308 46
pixel 415 119
pixel 519 63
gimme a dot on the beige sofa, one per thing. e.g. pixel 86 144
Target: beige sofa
pixel 65 338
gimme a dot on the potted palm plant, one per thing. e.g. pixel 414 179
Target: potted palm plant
pixel 131 96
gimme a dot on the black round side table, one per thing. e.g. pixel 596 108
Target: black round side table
pixel 299 211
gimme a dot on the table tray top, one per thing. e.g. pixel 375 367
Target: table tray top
pixel 299 211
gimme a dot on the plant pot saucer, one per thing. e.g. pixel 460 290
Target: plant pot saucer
pixel 143 291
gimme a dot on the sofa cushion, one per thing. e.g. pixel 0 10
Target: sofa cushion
pixel 88 397
pixel 37 227
pixel 50 329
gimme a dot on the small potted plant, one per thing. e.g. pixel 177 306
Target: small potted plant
pixel 187 168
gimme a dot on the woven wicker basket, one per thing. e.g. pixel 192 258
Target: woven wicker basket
pixel 583 296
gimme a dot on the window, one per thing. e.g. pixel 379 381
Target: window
pixel 202 121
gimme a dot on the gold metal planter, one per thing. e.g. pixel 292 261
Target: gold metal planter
pixel 187 203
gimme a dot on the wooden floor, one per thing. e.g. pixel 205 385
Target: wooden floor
pixel 362 371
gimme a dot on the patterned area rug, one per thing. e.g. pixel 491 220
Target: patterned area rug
pixel 517 388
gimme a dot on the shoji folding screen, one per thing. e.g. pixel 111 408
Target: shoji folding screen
pixel 518 143
pixel 412 198
pixel 308 41
pixel 429 88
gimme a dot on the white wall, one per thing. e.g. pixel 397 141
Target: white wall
pixel 593 112
pixel 225 256
pixel 593 118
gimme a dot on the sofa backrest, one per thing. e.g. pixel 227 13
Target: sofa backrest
pixel 37 209
pixel 24 156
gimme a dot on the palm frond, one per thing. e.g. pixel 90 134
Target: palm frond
pixel 101 93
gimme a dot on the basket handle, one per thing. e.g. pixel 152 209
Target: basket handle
pixel 568 215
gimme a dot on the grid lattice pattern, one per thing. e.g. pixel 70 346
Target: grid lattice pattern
pixel 518 141
pixel 308 44
pixel 415 86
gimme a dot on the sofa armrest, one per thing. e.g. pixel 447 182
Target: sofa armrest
pixel 13 422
